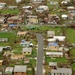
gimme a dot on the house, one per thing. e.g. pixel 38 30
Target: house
pixel 53 18
pixel 26 7
pixel 51 40
pixel 12 26
pixel 3 39
pixel 53 46
pixel 53 3
pixel 2 5
pixel 9 70
pixel 12 7
pixel 2 20
pixel 20 70
pixel 53 65
pixel 17 56
pixel 42 8
pixel 1 49
pixel 26 60
pixel 31 19
pixel 60 38
pixel 50 33
pixel 25 43
pixel 71 9
pixel 61 71
pixel 1 73
pixel 36 1
pixel 18 1
pixel 27 51
pixel 21 33
pixel 54 54
pixel 15 19
pixel 5 26
pixel 1 61
pixel 64 16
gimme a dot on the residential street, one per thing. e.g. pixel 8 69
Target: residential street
pixel 40 55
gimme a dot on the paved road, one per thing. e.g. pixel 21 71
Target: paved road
pixel 40 55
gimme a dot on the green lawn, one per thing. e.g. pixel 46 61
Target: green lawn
pixel 9 11
pixel 29 72
pixel 33 62
pixel 59 60
pixel 70 35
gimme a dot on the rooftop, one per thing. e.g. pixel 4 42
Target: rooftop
pixel 20 68
pixel 62 70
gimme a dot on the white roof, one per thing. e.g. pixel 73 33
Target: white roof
pixel 70 7
pixel 1 48
pixel 26 7
pixel 54 53
pixel 9 69
pixel 60 38
pixel 64 15
pixel 27 50
pixel 2 3
pixel 20 68
pixel 52 63
pixel 43 6
pixel 62 70
pixel 51 39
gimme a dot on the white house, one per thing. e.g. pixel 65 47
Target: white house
pixel 54 54
pixel 60 38
pixel 18 1
pixel 2 5
pixel 61 71
pixel 42 8
pixel 64 16
pixel 36 1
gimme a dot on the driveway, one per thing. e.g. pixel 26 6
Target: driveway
pixel 39 70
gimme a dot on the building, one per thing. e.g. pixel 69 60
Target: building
pixel 27 51
pixel 15 19
pixel 20 70
pixel 25 44
pixel 12 7
pixel 54 54
pixel 18 1
pixel 31 19
pixel 53 18
pixel 53 46
pixel 36 1
pixel 17 56
pixel 53 65
pixel 50 33
pixel 9 70
pixel 51 40
pixel 2 5
pixel 61 71
pixel 1 61
pixel 42 8
pixel 2 20
pixel 1 49
pixel 3 39
pixel 60 38
pixel 21 33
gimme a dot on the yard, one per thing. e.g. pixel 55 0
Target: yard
pixel 9 11
pixel 58 60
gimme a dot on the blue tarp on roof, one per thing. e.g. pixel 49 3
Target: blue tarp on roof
pixel 52 44
pixel 12 25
